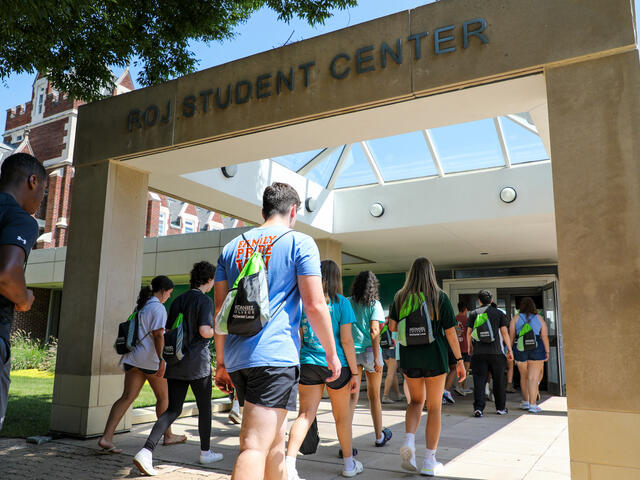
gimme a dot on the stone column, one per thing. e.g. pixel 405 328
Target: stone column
pixel 330 250
pixel 594 119
pixel 102 279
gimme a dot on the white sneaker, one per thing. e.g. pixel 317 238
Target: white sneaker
pixel 431 467
pixel 235 417
pixel 144 461
pixel 459 390
pixel 210 457
pixel 408 455
pixel 293 475
pixel 358 468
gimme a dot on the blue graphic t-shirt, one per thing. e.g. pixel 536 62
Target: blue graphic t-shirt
pixel 278 343
pixel 312 352
pixel 365 314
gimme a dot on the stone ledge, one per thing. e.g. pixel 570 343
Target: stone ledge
pixel 148 414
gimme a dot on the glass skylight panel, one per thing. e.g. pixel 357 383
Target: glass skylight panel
pixel 524 146
pixel 322 173
pixel 403 156
pixel 356 170
pixel 296 161
pixel 468 146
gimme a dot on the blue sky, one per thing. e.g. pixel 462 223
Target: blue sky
pixel 262 32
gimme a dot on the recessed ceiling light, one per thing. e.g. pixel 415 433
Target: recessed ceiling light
pixel 376 209
pixel 508 194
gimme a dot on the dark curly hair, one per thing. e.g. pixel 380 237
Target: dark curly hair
pixel 161 283
pixel 201 273
pixel 364 290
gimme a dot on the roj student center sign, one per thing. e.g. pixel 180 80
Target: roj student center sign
pixel 414 70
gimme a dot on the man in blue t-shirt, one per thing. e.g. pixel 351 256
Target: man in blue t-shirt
pixel 264 369
pixel 23 181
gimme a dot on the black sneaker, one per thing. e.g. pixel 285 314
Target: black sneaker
pixel 478 413
pixel 387 436
pixel 502 412
pixel 355 452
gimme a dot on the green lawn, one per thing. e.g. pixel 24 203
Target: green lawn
pixel 29 406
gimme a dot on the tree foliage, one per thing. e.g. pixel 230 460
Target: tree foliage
pixel 74 42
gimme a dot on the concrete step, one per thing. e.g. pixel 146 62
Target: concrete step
pixel 148 414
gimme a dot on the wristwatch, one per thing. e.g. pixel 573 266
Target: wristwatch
pixel 458 359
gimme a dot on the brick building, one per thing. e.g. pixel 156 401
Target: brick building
pixel 45 126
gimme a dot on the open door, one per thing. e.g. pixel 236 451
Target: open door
pixel 555 367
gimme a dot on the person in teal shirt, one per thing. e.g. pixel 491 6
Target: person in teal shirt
pixel 314 373
pixel 366 336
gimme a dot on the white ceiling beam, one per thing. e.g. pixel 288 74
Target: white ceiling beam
pixel 503 142
pixel 434 152
pixel 311 164
pixel 372 162
pixel 540 117
pixel 336 171
pixel 523 123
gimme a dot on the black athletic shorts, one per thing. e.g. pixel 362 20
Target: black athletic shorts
pixel 317 375
pixel 421 372
pixel 452 357
pixel 271 387
pixel 128 367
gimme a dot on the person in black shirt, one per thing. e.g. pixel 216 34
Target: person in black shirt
pixel 194 370
pixel 23 181
pixel 489 357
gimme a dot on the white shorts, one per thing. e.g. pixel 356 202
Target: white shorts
pixel 366 359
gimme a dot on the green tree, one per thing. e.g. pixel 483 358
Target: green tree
pixel 74 42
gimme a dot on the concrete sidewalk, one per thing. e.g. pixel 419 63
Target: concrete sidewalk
pixel 515 446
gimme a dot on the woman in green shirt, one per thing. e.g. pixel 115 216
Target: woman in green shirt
pixel 423 357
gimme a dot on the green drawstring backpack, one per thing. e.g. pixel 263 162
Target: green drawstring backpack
pixel 526 338
pixel 246 310
pixel 415 326
pixel 482 331
pixel 174 348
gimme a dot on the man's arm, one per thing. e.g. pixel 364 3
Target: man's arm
pixel 223 380
pixel 507 341
pixel 13 285
pixel 317 312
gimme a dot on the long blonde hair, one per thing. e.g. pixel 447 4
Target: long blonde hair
pixel 421 278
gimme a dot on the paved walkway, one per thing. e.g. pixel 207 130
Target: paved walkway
pixel 516 446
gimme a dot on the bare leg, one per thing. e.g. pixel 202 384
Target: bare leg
pixel 310 396
pixel 340 403
pixel 275 468
pixel 417 394
pixel 534 367
pixel 435 387
pixel 260 430
pixel 524 374
pixel 451 377
pixel 133 382
pixel 405 389
pixel 391 381
pixel 356 396
pixel 373 391
pixel 160 390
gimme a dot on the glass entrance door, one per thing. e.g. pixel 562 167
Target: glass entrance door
pixel 555 367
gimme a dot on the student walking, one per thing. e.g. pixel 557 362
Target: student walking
pixel 366 337
pixel 23 181
pixel 422 314
pixel 314 374
pixel 194 370
pixel 264 368
pixel 486 335
pixel 144 362
pixel 530 358
pixel 388 342
pixel 463 319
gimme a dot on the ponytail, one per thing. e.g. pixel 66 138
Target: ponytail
pixel 143 297
pixel 160 283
